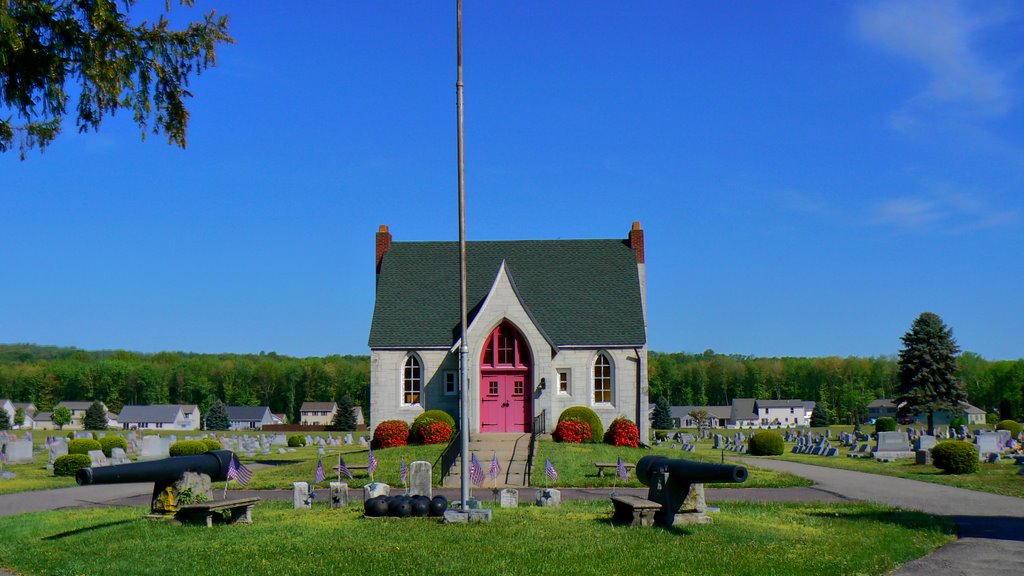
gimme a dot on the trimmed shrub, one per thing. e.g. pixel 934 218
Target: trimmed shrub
pixel 955 457
pixel 70 464
pixel 957 423
pixel 296 441
pixel 82 446
pixel 622 432
pixel 885 424
pixel 1010 425
pixel 427 419
pixel 390 433
pixel 188 448
pixel 433 432
pixel 767 443
pixel 586 415
pixel 572 430
pixel 108 443
pixel 212 444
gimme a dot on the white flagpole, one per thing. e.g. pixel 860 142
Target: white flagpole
pixel 464 347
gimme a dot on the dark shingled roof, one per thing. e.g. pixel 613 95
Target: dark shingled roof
pixel 247 413
pixel 580 292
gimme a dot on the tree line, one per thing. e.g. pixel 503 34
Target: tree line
pixel 45 375
pixel 842 386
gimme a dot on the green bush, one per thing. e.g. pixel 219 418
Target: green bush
pixel 422 422
pixel 991 419
pixel 885 424
pixel 955 457
pixel 296 440
pixel 83 446
pixel 1010 425
pixel 957 422
pixel 108 443
pixel 69 464
pixel 188 448
pixel 767 443
pixel 212 444
pixel 586 415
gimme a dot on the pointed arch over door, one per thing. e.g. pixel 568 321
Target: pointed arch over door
pixel 506 401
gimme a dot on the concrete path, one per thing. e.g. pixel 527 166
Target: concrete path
pixel 74 497
pixel 990 526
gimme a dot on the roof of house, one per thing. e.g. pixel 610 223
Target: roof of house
pixel 318 407
pixel 743 409
pixel 75 404
pixel 790 403
pixel 43 417
pixel 719 412
pixel 28 407
pixel 881 403
pixel 4 401
pixel 969 409
pixel 809 405
pixel 580 292
pixel 248 413
pixel 155 413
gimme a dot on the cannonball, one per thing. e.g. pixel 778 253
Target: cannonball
pixel 420 506
pixel 376 506
pixel 400 507
pixel 438 506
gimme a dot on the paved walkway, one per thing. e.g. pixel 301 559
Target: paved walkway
pixel 991 527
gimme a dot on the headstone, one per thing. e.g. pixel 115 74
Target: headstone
pixel 421 478
pixel 374 489
pixel 348 439
pixel 153 448
pixel 339 494
pixel 1004 439
pixel 300 496
pixel 279 440
pixel 719 444
pixel 549 497
pixel 57 448
pixel 363 442
pixel 19 452
pixel 924 442
pixel 282 451
pixel 923 457
pixel 83 434
pixel 98 459
pixel 509 498
pixel 987 444
pixel 117 456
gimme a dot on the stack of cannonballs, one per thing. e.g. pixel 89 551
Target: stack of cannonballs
pixel 405 506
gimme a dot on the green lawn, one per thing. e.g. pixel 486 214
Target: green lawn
pixel 33 476
pixel 575 466
pixel 746 539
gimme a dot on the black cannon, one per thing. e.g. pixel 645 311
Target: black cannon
pixel 672 485
pixel 165 474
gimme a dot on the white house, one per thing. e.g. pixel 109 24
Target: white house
pixel 553 324
pixel 747 413
pixel 78 409
pixel 8 406
pixel 249 417
pixel 317 413
pixel 160 417
pixel 30 410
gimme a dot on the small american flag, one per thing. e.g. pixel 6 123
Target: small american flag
pixel 371 463
pixel 476 473
pixel 404 472
pixel 320 476
pixel 238 472
pixel 3 455
pixel 549 470
pixel 621 469
pixel 342 468
pixel 495 467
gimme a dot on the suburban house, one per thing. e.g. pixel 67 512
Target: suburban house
pixel 279 418
pixel 881 408
pixel 30 411
pixel 552 324
pixel 886 407
pixel 249 417
pixel 747 413
pixel 78 409
pixel 43 421
pixel 8 406
pixel 317 413
pixel 160 417
pixel 809 409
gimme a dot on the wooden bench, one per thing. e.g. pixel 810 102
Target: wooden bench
pixel 634 510
pixel 601 466
pixel 353 468
pixel 240 511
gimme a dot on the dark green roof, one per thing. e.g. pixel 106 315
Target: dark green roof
pixel 580 292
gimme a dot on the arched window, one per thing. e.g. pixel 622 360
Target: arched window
pixel 602 379
pixel 412 381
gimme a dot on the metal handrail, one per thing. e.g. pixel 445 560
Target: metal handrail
pixel 539 427
pixel 450 455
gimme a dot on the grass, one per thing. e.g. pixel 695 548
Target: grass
pixel 33 476
pixel 746 539
pixel 575 466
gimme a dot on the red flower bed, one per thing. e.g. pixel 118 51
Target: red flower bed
pixel 436 432
pixel 622 432
pixel 390 433
pixel 572 430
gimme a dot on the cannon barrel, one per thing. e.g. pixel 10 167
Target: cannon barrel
pixel 168 470
pixel 697 472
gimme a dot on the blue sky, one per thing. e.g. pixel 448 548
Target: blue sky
pixel 810 176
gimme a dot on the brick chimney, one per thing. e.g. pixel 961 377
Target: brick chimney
pixel 384 243
pixel 636 242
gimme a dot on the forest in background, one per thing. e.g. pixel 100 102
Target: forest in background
pixel 46 375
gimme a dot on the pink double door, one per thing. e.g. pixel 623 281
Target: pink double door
pixel 504 402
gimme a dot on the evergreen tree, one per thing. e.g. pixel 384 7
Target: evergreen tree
pixel 95 417
pixel 5 419
pixel 344 418
pixel 820 416
pixel 927 373
pixel 662 414
pixel 61 417
pixel 19 417
pixel 217 416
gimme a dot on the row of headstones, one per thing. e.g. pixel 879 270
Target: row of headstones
pixel 820 448
pixel 685 447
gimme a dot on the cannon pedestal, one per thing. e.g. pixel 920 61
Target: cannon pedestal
pixel 678 485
